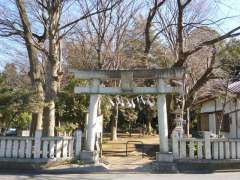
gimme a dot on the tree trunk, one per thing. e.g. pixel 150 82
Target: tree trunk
pixel 149 127
pixel 37 119
pixel 149 122
pixel 45 122
pixel 33 124
pixel 179 39
pixel 52 84
pixel 188 122
pixel 35 69
pixel 49 119
pixel 51 93
pixel 114 123
pixel 53 70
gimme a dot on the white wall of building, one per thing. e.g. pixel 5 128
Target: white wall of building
pixel 217 105
pixel 209 106
pixel 233 127
pixel 212 123
pixel 238 126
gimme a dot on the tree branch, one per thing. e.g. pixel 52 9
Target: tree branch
pixel 186 54
pixel 151 15
pixel 201 81
pixel 73 23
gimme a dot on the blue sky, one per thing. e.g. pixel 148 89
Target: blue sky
pixel 225 8
pixel 229 8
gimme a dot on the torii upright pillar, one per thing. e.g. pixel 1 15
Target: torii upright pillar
pixel 93 113
pixel 163 155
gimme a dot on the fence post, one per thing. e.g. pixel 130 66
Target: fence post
pixel 200 150
pixel 238 150
pixel 37 144
pixel 183 150
pixel 221 150
pixel 215 150
pixel 175 144
pixel 191 150
pixel 227 150
pixel 78 142
pixel 207 145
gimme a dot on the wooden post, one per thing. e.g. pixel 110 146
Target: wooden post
pixel 162 119
pixel 78 141
pixel 37 144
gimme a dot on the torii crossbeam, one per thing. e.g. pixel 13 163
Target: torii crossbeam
pixel 127 78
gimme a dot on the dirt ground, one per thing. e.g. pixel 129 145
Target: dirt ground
pixel 123 138
pixel 114 152
pixel 118 148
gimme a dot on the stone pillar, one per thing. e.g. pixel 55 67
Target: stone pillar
pixel 207 145
pixel 85 130
pixel 162 120
pixel 175 144
pixel 163 155
pixel 78 145
pixel 91 127
pixel 37 143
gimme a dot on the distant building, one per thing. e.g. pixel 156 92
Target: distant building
pixel 218 111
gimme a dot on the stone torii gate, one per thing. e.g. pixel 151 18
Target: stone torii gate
pixel 127 78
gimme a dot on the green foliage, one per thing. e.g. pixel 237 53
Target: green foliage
pixel 127 116
pixel 67 127
pixel 2 79
pixel 14 109
pixel 134 48
pixel 106 109
pixel 22 121
pixel 230 56
pixel 71 108
pixel 16 105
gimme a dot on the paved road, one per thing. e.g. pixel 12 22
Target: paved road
pixel 214 176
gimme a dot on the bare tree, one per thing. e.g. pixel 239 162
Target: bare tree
pixel 53 28
pixel 34 73
pixel 151 14
pixel 175 21
pixel 102 42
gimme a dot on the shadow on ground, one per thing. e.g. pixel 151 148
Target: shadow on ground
pixel 102 169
